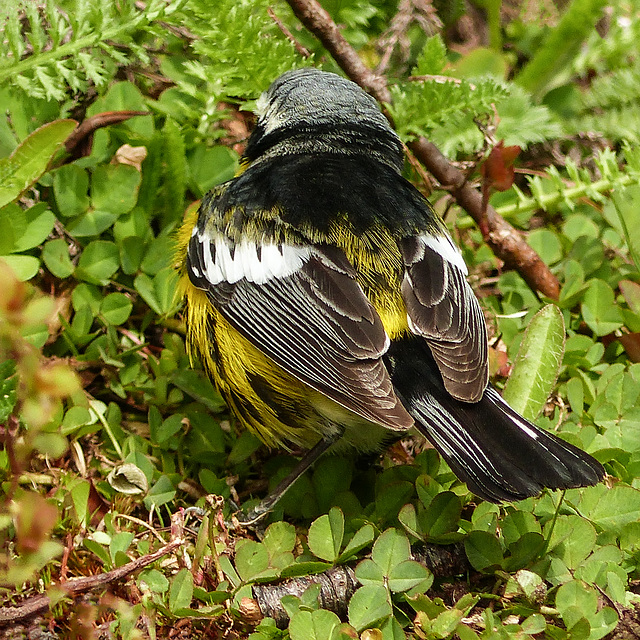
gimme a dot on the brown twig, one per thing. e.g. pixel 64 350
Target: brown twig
pixel 76 143
pixel 504 240
pixel 37 605
pixel 301 49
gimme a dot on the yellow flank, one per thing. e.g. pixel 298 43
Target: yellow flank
pixel 379 267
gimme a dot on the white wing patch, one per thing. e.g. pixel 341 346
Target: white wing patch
pixel 255 262
pixel 443 246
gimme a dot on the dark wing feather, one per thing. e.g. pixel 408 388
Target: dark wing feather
pixel 303 308
pixel 442 308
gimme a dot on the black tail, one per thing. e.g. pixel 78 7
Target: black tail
pixel 500 455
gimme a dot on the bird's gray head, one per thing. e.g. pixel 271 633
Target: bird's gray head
pixel 321 108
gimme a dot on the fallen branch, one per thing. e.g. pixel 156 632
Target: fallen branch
pixel 504 240
pixel 38 605
pixel 338 584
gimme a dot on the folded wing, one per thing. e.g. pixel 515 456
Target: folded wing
pixel 301 306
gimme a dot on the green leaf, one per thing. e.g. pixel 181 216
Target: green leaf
pixel 98 262
pixel 599 309
pixel 484 551
pixel 314 625
pixel 153 580
pixel 572 540
pixel 115 308
pixel 31 158
pixel 39 224
pixel 169 427
pixel 551 64
pixel 70 188
pixel 8 385
pixel 158 292
pixel 114 188
pixel 325 535
pixel 613 509
pixel 91 223
pixel 368 572
pixel 55 255
pixel 361 539
pixel 120 542
pixel 80 498
pixel 132 249
pixel 252 558
pixel 25 267
pixel 280 537
pixel 390 549
pixel 368 606
pixel 160 493
pixel 210 167
pixel 537 364
pixel 442 516
pixel 181 592
pixel 407 575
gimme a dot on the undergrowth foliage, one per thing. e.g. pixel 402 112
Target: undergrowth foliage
pixel 108 431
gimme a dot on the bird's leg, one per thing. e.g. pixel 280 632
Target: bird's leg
pixel 264 506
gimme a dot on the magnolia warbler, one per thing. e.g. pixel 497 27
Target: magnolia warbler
pixel 329 304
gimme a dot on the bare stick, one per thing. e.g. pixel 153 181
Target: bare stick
pixel 37 605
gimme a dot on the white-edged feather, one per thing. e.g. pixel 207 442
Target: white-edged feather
pixel 255 262
pixel 443 246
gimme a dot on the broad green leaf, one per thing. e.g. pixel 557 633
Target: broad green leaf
pixel 209 167
pixel 390 549
pixel 181 591
pixel 252 558
pixel 546 244
pixel 114 188
pixel 55 254
pixel 91 223
pixel 153 580
pixel 280 537
pixel 115 308
pixel 599 309
pixel 80 498
pixel 442 516
pixel 613 509
pixel 158 292
pixel 160 493
pixel 39 223
pixel 362 538
pixel 70 188
pixel 368 606
pixel 132 250
pixel 407 575
pixel 120 543
pixel 314 625
pixel 325 535
pixel 31 158
pixel 25 267
pixel 537 364
pixel 368 572
pixel 484 551
pixel 98 262
pixel 572 540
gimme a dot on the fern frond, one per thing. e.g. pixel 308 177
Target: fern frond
pixel 419 107
pixel 553 190
pixel 47 51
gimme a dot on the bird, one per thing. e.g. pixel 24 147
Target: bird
pixel 329 304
